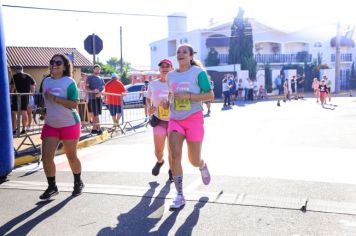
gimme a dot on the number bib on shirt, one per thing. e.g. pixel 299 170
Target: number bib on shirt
pixel 163 113
pixel 182 104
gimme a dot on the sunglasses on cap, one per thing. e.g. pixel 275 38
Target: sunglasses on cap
pixel 54 62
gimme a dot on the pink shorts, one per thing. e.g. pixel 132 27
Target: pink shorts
pixel 161 129
pixel 69 132
pixel 191 127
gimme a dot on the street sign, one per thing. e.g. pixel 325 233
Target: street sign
pixel 93 44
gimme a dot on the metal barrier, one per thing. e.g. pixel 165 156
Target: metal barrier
pixel 132 117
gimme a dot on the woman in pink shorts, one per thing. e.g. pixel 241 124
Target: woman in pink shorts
pixel 157 95
pixel 189 86
pixel 61 123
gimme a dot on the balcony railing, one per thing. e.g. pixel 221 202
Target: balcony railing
pixel 274 58
pixel 346 57
pixel 283 58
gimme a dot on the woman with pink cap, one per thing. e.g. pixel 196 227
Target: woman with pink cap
pixel 157 96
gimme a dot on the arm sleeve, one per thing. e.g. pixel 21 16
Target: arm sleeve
pixel 203 82
pixel 72 92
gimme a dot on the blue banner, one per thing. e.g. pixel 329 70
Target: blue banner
pixel 6 139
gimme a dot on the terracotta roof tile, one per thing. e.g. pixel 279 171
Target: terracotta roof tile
pixel 40 56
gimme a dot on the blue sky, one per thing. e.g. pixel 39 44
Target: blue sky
pixel 66 29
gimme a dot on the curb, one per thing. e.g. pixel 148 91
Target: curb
pixel 81 144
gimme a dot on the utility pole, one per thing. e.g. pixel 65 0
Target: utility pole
pixel 121 62
pixel 337 59
pixel 94 49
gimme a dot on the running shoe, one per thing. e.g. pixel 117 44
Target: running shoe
pixel 78 189
pixel 205 175
pixel 156 168
pixel 50 192
pixel 170 176
pixel 94 131
pixel 177 203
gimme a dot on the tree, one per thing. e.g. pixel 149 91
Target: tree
pixel 126 68
pixel 236 38
pixel 241 45
pixel 114 62
pixel 268 78
pixel 213 58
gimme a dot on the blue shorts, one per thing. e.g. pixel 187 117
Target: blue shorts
pixel 114 109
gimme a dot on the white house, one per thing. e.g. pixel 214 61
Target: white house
pixel 271 46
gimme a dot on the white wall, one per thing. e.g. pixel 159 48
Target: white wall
pixel 261 78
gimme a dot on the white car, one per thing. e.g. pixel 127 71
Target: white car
pixel 133 95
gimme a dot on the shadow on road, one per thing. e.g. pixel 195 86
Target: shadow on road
pixel 29 225
pixel 143 217
pixel 187 227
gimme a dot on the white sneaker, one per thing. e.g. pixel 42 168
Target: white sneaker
pixel 177 203
pixel 205 175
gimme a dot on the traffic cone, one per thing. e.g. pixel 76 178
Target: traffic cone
pixel 278 103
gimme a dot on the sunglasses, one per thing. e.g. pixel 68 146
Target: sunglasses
pixel 57 63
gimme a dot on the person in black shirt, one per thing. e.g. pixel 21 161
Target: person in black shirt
pixel 292 85
pixel 300 86
pixel 323 92
pixel 21 83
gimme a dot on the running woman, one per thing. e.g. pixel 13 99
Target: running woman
pixel 323 90
pixel 62 122
pixel 157 96
pixel 189 86
pixel 315 87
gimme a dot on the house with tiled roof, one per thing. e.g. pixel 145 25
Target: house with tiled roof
pixel 35 60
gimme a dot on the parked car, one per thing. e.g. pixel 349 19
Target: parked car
pixel 133 95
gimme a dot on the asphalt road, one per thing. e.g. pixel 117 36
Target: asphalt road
pixel 285 170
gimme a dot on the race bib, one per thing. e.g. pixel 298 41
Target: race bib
pixel 163 114
pixel 182 104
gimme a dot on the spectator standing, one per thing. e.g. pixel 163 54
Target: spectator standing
pixel 278 83
pixel 286 90
pixel 240 88
pixel 95 86
pixel 114 86
pixel 300 86
pixel 293 82
pixel 157 97
pixel 189 86
pixel 61 123
pixel 226 92
pixel 21 83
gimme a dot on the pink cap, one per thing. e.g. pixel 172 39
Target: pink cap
pixel 166 61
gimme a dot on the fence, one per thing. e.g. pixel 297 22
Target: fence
pixel 28 117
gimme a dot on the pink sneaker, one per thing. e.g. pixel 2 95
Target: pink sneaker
pixel 205 175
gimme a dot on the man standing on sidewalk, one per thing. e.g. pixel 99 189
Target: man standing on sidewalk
pixel 115 86
pixel 95 85
pixel 20 83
